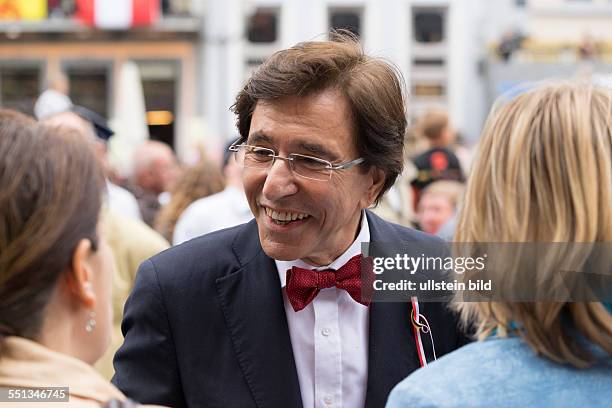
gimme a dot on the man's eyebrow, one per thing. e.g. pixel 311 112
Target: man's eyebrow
pixel 318 151
pixel 256 137
pixel 312 148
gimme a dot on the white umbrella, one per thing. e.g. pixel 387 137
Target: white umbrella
pixel 130 120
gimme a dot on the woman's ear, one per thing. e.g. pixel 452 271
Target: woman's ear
pixel 377 180
pixel 80 277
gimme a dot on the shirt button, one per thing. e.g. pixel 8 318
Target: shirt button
pixel 326 331
pixel 328 399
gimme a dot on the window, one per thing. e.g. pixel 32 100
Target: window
pixel 89 87
pixel 428 26
pixel 165 7
pixel 61 8
pixel 159 84
pixel 175 7
pixel 346 19
pixel 428 90
pixel 262 26
pixel 19 87
pixel 428 62
pixel 251 65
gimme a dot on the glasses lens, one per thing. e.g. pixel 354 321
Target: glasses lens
pixel 257 157
pixel 311 167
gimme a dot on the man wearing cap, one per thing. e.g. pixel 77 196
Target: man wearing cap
pixel 270 313
pixel 438 162
pixel 91 124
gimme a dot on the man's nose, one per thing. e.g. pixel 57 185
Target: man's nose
pixel 280 181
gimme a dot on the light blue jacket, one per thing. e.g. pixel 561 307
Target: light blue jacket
pixel 504 373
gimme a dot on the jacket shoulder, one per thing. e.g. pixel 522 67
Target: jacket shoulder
pixel 212 255
pixel 385 231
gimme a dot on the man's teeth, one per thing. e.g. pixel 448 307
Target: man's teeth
pixel 284 216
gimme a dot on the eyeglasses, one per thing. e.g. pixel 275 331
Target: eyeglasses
pixel 309 167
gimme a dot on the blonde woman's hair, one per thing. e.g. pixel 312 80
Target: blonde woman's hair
pixel 544 170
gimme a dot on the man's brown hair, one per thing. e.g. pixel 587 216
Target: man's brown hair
pixel 373 88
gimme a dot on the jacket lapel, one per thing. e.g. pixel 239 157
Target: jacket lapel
pixel 392 352
pixel 252 303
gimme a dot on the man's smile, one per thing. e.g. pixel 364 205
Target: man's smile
pixel 285 217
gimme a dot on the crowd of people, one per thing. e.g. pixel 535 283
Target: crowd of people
pixel 240 284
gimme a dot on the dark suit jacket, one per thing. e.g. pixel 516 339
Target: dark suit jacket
pixel 205 326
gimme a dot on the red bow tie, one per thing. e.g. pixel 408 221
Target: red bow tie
pixel 303 285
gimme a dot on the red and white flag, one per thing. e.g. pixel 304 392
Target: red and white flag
pixel 118 14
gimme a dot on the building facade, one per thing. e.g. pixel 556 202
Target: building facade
pixel 94 61
pixel 196 57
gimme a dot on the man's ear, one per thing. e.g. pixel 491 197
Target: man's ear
pixel 376 176
pixel 79 278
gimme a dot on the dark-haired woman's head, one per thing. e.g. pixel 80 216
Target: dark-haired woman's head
pixel 55 268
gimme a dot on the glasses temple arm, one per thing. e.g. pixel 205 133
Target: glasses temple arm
pixel 347 164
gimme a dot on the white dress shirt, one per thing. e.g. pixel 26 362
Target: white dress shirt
pixel 330 338
pixel 217 211
pixel 122 201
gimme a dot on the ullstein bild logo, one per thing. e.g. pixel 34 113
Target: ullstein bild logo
pixel 556 272
pixel 432 285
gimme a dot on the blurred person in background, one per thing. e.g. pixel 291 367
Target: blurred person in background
pixel 94 127
pixel 544 175
pixel 588 48
pixel 397 204
pixel 55 98
pixel 55 265
pixel 198 181
pixel 438 204
pixel 222 210
pixel 131 240
pixel 438 162
pixel 510 42
pixel 156 169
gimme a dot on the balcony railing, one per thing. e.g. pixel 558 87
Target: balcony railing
pixel 538 51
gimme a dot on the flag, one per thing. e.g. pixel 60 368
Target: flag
pixel 118 14
pixel 23 9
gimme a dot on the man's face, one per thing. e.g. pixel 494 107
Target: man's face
pixel 162 172
pixel 318 125
pixel 166 171
pixel 433 211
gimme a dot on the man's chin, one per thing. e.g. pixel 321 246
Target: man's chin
pixel 281 251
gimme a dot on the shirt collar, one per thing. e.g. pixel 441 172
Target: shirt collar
pixel 354 249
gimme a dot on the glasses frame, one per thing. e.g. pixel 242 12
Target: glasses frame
pixel 291 157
